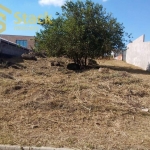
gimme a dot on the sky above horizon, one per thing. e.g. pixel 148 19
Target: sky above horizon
pixel 134 14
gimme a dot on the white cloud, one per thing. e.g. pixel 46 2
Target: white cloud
pixel 21 22
pixel 104 0
pixel 16 22
pixel 52 2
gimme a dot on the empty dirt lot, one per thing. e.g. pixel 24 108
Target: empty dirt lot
pixel 92 109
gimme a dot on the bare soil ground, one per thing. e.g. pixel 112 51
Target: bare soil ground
pixel 90 109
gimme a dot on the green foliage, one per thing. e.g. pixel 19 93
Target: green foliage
pixel 83 30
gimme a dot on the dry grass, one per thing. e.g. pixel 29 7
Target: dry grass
pixel 52 106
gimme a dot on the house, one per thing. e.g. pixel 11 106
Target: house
pixel 25 41
pixel 118 56
pixel 14 45
pixel 138 53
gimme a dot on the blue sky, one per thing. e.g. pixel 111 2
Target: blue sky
pixel 134 14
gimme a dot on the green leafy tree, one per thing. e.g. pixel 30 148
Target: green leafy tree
pixel 83 30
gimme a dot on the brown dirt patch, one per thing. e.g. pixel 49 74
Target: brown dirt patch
pixel 91 109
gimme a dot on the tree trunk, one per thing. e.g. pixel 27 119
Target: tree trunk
pixel 85 61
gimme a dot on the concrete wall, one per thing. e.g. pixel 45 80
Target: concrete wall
pixel 12 49
pixel 138 53
pixel 13 38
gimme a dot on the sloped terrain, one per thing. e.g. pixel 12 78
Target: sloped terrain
pixel 43 105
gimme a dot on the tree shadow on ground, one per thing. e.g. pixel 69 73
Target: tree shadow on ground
pixel 8 61
pixel 11 58
pixel 94 65
pixel 127 69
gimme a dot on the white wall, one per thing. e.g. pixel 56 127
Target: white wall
pixel 138 53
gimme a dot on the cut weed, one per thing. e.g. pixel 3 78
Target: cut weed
pixel 45 105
